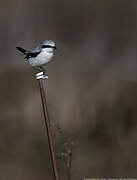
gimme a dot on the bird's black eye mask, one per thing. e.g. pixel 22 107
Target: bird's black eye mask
pixel 48 46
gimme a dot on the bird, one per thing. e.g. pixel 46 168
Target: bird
pixel 39 56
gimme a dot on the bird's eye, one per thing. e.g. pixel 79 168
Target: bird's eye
pixel 46 46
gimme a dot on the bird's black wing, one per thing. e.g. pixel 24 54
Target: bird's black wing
pixel 33 53
pixel 30 54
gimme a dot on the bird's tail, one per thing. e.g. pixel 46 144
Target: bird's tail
pixel 22 50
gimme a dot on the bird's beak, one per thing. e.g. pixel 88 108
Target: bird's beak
pixel 55 47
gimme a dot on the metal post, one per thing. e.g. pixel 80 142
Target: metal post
pixel 47 123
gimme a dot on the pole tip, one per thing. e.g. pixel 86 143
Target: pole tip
pixel 41 75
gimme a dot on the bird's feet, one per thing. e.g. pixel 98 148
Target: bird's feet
pixel 41 74
pixel 42 69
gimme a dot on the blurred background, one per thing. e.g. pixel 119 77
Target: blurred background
pixel 91 91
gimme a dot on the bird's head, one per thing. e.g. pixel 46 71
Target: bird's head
pixel 48 45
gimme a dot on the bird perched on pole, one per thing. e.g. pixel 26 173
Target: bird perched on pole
pixel 41 55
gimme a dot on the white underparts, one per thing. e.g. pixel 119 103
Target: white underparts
pixel 42 59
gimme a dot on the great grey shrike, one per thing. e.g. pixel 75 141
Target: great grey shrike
pixel 41 55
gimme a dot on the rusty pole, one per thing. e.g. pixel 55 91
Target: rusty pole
pixel 49 133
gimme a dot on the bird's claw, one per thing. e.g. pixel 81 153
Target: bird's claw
pixel 41 75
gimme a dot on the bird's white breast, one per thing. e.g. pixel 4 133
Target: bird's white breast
pixel 43 58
